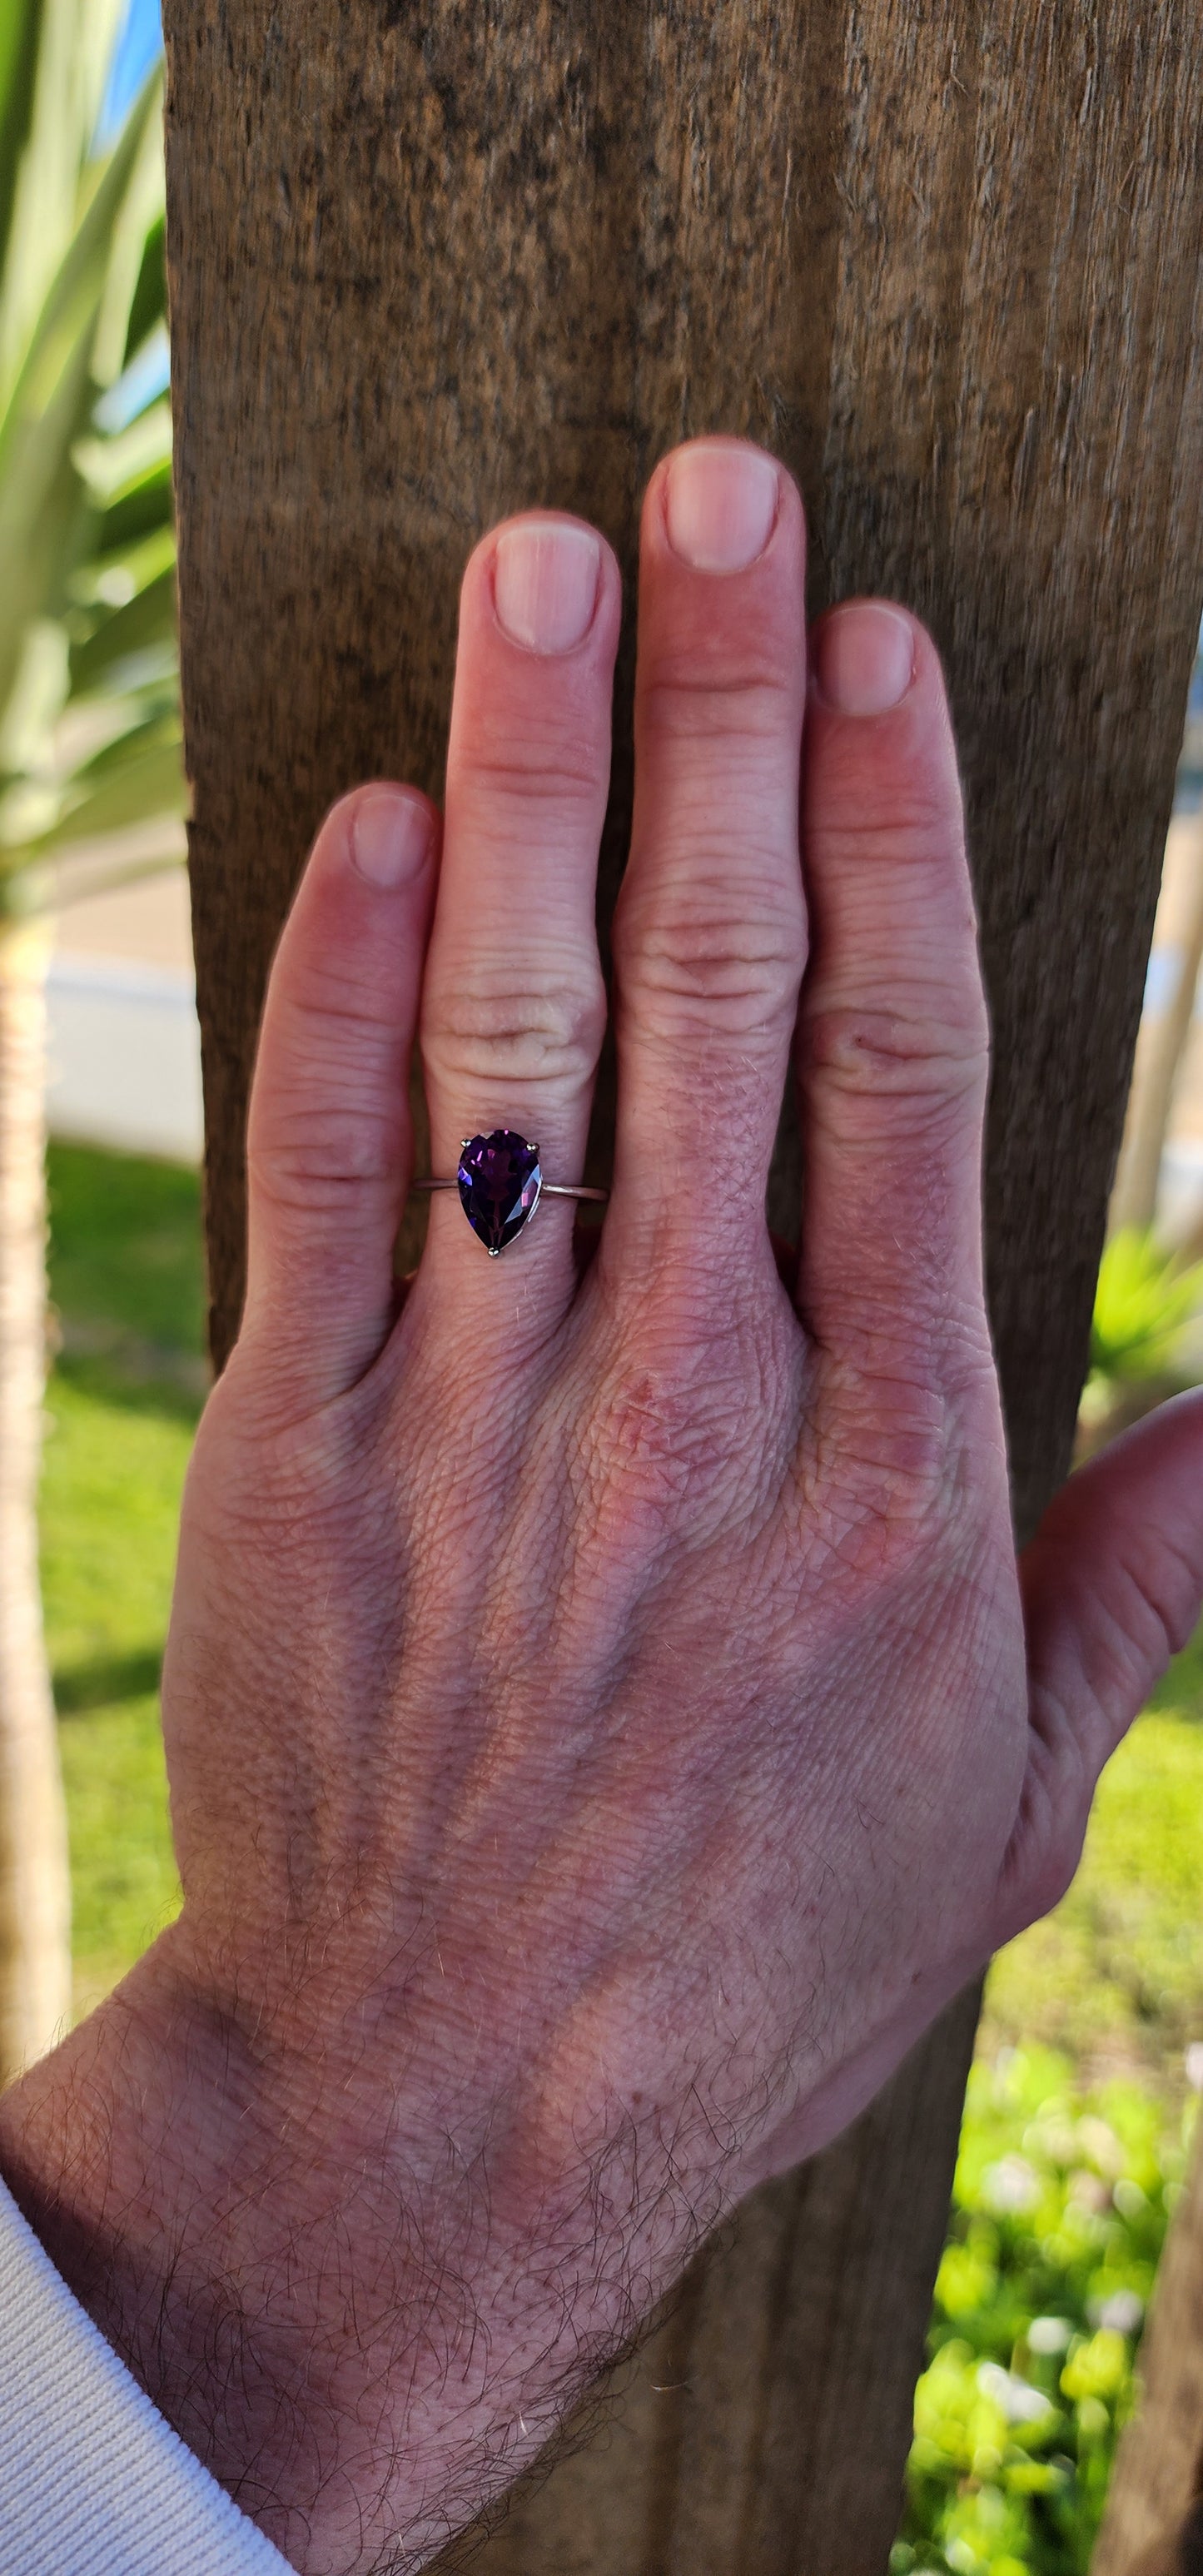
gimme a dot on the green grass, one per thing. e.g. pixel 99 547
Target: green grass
pixel 1114 1978
pixel 126 1249
pixel 126 1286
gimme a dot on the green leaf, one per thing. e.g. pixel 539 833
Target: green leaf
pixel 114 465
pixel 141 509
pixel 142 726
pixel 1144 1299
pixel 111 578
pixel 146 620
pixel 148 304
pixel 137 211
pixel 20 34
pixel 86 535
pixel 148 780
pixel 75 40
pixel 43 506
pixel 75 290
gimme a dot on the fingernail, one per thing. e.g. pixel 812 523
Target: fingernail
pixel 866 658
pixel 390 835
pixel 720 506
pixel 545 577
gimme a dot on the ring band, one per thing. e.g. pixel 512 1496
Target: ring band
pixel 547 1189
pixel 500 1185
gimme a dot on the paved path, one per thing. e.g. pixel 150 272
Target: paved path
pixel 124 1043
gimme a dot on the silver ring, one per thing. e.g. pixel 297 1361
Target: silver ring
pixel 500 1185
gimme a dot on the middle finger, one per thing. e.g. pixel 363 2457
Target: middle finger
pixel 710 936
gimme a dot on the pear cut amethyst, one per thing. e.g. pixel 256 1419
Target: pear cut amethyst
pixel 499 1184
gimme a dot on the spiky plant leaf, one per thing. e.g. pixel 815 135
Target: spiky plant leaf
pixel 89 722
pixel 67 47
pixel 44 502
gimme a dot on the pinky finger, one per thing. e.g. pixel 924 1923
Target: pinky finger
pixel 329 1146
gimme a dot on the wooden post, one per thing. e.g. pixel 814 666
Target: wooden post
pixel 430 266
pixel 1153 2525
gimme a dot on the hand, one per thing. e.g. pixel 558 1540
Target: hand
pixel 597 1715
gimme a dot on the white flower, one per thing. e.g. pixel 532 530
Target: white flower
pixel 1123 2311
pixel 1049 2334
pixel 1017 2399
pixel 1012 2185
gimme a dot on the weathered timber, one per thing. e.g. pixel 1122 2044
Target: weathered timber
pixel 1153 2525
pixel 428 267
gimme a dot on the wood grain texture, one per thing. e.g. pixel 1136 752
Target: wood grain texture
pixel 1178 2552
pixel 429 267
pixel 1154 2518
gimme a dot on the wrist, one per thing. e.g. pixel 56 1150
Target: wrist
pixel 335 2321
pixel 117 2149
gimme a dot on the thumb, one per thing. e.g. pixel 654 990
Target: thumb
pixel 1112 1585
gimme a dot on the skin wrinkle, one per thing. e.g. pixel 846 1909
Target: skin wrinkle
pixel 572 1679
pixel 499 781
pixel 524 1044
pixel 324 1156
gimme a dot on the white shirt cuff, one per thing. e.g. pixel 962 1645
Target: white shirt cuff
pixel 93 2481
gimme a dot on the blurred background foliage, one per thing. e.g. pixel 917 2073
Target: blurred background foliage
pixel 1060 2208
pixel 1145 1299
pixel 1144 1335
pixel 89 697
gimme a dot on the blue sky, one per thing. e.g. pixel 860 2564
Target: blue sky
pixel 138 46
pixel 140 41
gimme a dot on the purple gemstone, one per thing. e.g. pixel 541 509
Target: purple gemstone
pixel 499 1183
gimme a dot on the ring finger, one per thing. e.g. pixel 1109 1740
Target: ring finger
pixel 513 1004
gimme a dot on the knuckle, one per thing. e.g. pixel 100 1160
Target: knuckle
pixel 718 699
pixel 554 764
pixel 915 1059
pixel 903 1418
pixel 890 818
pixel 666 1436
pixel 322 1161
pixel 646 1451
pixel 549 1031
pixel 884 1497
pixel 267 1479
pixel 694 964
pixel 330 1114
